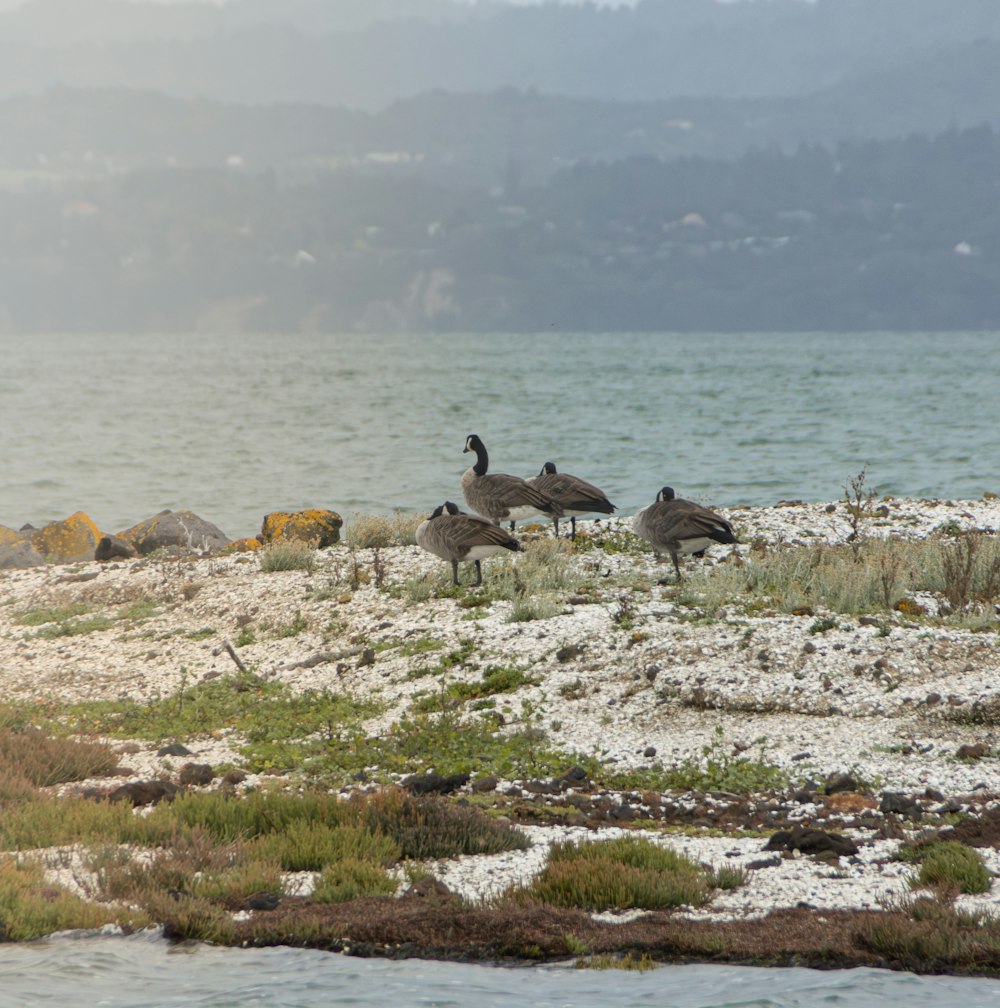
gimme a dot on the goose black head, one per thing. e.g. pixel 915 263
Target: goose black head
pixel 472 443
pixel 452 508
pixel 437 512
pixel 666 494
pixel 549 469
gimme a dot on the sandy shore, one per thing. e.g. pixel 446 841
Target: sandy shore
pixel 872 698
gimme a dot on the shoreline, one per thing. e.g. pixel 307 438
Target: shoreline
pixel 627 673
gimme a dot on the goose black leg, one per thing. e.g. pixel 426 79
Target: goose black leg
pixel 479 574
pixel 454 571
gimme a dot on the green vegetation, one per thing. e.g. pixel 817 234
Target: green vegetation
pixel 879 578
pixel 948 865
pixel 287 556
pixel 191 861
pixel 378 531
pixel 30 908
pixel 495 679
pixel 631 872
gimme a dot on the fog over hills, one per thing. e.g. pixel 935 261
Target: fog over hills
pixel 680 161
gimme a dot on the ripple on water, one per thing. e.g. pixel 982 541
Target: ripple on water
pixel 145 972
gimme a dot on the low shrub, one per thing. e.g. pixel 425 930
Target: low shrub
pixel 352 879
pixel 287 555
pixel 617 874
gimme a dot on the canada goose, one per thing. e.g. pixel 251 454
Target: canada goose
pixel 675 525
pixel 575 496
pixel 499 496
pixel 453 535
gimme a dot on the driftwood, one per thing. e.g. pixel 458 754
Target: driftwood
pixel 322 657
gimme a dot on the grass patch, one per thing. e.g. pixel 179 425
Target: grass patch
pixel 42 761
pixel 496 679
pixel 269 715
pixel 378 531
pixel 30 908
pixel 351 879
pixel 840 579
pixel 286 556
pixel 626 873
pixel 947 865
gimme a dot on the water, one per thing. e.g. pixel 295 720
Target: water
pixel 142 972
pixel 236 426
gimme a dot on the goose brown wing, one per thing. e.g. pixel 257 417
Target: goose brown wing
pixel 571 491
pixel 513 492
pixel 699 521
pixel 465 531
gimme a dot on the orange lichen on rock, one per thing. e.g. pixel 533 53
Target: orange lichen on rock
pixel 850 802
pixel 247 545
pixel 9 536
pixel 316 526
pixel 67 541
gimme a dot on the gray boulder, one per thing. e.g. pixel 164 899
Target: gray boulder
pixel 20 554
pixel 179 532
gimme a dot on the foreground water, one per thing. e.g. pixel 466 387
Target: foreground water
pixel 235 426
pixel 143 972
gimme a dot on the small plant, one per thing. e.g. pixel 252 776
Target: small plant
pixel 822 625
pixel 951 865
pixel 246 637
pixel 625 962
pixel 351 879
pixel 378 531
pixel 293 629
pixel 618 874
pixel 287 555
pixel 860 503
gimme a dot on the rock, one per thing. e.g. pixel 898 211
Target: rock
pixel 810 841
pixel 317 527
pixel 430 888
pixel 234 777
pixel 483 785
pixel 262 901
pixel 649 752
pixel 195 775
pixel 144 792
pixel 434 783
pixel 568 652
pixel 8 536
pixel 174 749
pixel 248 545
pixel 180 531
pixel 73 539
pixel 574 777
pixel 111 547
pixel 849 802
pixel 838 781
pixel 652 671
pixel 900 804
pixel 15 555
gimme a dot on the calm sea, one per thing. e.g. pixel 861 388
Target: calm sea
pixel 142 972
pixel 235 426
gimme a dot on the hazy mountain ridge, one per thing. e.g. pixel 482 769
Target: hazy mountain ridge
pixel 367 55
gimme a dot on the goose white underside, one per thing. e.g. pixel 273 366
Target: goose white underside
pixel 524 511
pixel 482 552
pixel 696 545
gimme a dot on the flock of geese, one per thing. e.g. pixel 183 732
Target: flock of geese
pixel 670 524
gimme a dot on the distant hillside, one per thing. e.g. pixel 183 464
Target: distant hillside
pixel 503 138
pixel 369 53
pixel 870 235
